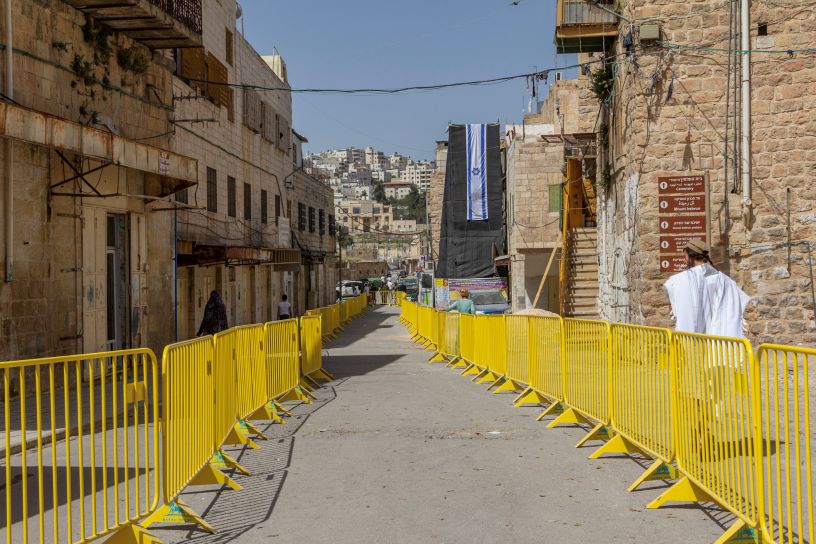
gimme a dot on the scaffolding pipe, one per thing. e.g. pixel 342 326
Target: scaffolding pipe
pixel 8 155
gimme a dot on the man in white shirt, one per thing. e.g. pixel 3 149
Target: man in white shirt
pixel 704 300
pixel 284 308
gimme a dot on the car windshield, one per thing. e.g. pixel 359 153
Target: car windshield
pixel 481 298
pixel 410 282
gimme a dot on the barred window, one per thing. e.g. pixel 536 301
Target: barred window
pixel 277 209
pixel 332 226
pixel 311 219
pixel 264 206
pixel 231 196
pixel 247 201
pixel 253 110
pixel 212 190
pixel 301 216
pixel 321 222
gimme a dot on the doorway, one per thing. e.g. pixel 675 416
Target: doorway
pixel 116 277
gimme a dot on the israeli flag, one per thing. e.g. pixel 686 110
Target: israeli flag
pixel 476 137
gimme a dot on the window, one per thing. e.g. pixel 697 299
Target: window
pixel 355 211
pixel 228 46
pixel 264 206
pixel 376 209
pixel 217 77
pixel 182 197
pixel 762 29
pixel 253 111
pixel 554 198
pixel 212 190
pixel 231 196
pixel 247 201
pixel 311 219
pixel 277 208
pixel 321 222
pixel 301 216
pixel 269 130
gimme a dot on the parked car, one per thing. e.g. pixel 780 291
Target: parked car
pixel 347 288
pixel 489 302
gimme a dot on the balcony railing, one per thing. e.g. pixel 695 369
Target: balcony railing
pixel 584 27
pixel 158 24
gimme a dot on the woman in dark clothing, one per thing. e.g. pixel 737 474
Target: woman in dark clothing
pixel 215 316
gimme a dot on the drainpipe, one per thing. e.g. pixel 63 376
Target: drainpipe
pixel 8 154
pixel 745 151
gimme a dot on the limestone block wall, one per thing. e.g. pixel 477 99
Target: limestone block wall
pixel 668 117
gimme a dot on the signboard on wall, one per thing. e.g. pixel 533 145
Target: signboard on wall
pixel 682 215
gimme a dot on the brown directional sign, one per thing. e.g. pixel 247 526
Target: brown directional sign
pixel 680 185
pixel 673 263
pixel 673 245
pixel 684 224
pixel 682 204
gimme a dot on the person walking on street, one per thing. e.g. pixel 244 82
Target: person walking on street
pixel 284 308
pixel 464 305
pixel 703 299
pixel 215 316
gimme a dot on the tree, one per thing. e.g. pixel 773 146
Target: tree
pixel 378 192
pixel 344 238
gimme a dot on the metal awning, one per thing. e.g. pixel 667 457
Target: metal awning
pixel 193 253
pixel 170 172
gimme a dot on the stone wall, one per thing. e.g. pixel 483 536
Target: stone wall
pixel 668 117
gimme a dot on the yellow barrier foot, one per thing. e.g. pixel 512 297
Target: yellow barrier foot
pixel 508 385
pixel 252 429
pixel 683 491
pixel 531 396
pixel 452 362
pixel 438 358
pixel 295 394
pixel 459 363
pixel 430 346
pixel 311 383
pixel 554 408
pixel 599 432
pixel 266 412
pixel 470 370
pixel 133 534
pixel 489 377
pixel 308 392
pixel 501 380
pixel 280 408
pixel 176 512
pixel 659 470
pixel 741 533
pixel 322 375
pixel 569 417
pixel 209 475
pixel 480 374
pixel 237 438
pixel 223 461
pixel 305 385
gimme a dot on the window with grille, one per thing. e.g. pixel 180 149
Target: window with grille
pixel 253 110
pixel 277 208
pixel 311 219
pixel 216 78
pixel 231 196
pixel 247 201
pixel 321 222
pixel 284 134
pixel 212 190
pixel 332 226
pixel 264 207
pixel 301 216
pixel 229 45
pixel 269 130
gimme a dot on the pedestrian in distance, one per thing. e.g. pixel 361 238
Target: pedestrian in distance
pixel 464 305
pixel 284 308
pixel 215 316
pixel 389 285
pixel 703 299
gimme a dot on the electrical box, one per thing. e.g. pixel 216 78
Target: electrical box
pixel 649 33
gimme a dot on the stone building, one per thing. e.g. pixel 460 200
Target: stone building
pixel 435 195
pixel 88 170
pixel 235 229
pixel 364 216
pixel 674 166
pixel 536 153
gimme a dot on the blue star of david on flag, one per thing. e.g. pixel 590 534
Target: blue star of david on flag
pixel 476 141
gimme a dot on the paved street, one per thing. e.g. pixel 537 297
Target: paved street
pixel 397 450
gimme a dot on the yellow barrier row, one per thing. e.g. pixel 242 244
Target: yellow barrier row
pixel 730 427
pixel 99 413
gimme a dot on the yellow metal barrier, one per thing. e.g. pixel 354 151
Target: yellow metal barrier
pixel 467 342
pixel 283 362
pixel 311 349
pixel 787 400
pixel 517 338
pixel 450 341
pixel 586 376
pixel 642 408
pixel 544 366
pixel 399 297
pixel 94 415
pixel 717 429
pixel 438 334
pixel 491 349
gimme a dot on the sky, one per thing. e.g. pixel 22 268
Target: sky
pixel 376 43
